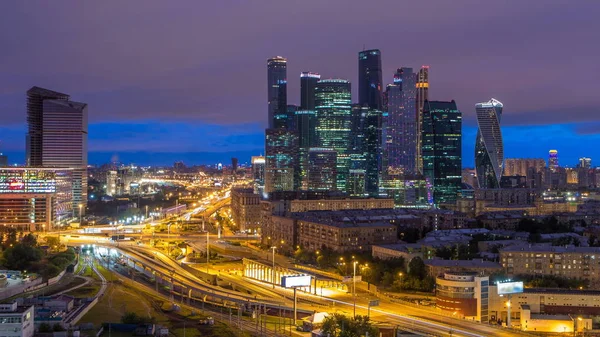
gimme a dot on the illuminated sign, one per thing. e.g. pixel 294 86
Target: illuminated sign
pixel 27 181
pixel 295 281
pixel 510 288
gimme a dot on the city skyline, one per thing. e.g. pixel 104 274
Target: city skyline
pixel 153 106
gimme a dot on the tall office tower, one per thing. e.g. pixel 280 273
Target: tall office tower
pixel 322 171
pixel 276 75
pixel 370 83
pixel 402 122
pixel 234 164
pixel 373 154
pixel 258 173
pixel 442 141
pixel 3 160
pixel 358 152
pixel 520 166
pixel 305 122
pixel 422 96
pixel 308 83
pixel 489 149
pixel 57 137
pixel 553 160
pixel 281 115
pixel 35 122
pixel 333 102
pixel 585 162
pixel 291 116
pixel 281 160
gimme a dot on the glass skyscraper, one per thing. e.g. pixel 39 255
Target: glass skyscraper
pixel 281 160
pixel 322 169
pixel 308 83
pixel 370 82
pixel 57 138
pixel 422 96
pixel 276 75
pixel 489 150
pixel 333 111
pixel 401 126
pixel 442 152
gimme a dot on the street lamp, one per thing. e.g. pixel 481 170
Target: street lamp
pixel 354 286
pixel 273 270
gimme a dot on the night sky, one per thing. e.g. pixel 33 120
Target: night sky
pixel 169 80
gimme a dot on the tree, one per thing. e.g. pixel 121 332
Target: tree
pixel 416 268
pixel 20 256
pixel 29 240
pixel 338 325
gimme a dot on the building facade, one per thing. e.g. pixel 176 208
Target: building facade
pixel 521 166
pixel 489 149
pixel 281 161
pixel 258 173
pixel 370 80
pixel 463 293
pixel 57 138
pixel 16 321
pixel 276 75
pixel 333 128
pixel 35 198
pixel 245 209
pixel 563 261
pixel 442 149
pixel 322 169
pixel 422 96
pixel 401 126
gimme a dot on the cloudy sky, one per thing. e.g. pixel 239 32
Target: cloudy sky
pixel 169 80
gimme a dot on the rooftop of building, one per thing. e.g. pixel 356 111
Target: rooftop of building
pixel 550 249
pixel 402 247
pixel 462 263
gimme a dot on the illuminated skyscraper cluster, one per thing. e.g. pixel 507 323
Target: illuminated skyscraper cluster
pixel 372 148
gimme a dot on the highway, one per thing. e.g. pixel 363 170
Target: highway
pixel 412 317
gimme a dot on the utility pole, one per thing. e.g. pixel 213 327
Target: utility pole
pixel 273 270
pixel 354 288
pixel 207 251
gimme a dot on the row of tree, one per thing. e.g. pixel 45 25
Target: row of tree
pixel 27 255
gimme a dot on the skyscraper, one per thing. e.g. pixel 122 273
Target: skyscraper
pixel 442 155
pixel 553 160
pixel 401 145
pixel 281 116
pixel 422 96
pixel 322 171
pixel 258 173
pixel 281 160
pixel 305 122
pixel 370 83
pixel 57 137
pixel 308 83
pixel 35 122
pixel 489 149
pixel 585 162
pixel 276 75
pixel 333 111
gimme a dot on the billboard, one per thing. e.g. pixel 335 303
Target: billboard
pixel 295 281
pixel 510 288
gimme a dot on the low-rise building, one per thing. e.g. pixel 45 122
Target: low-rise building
pixel 245 209
pixel 437 267
pixel 463 294
pixel 316 231
pixel 406 251
pixel 564 261
pixel 16 321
